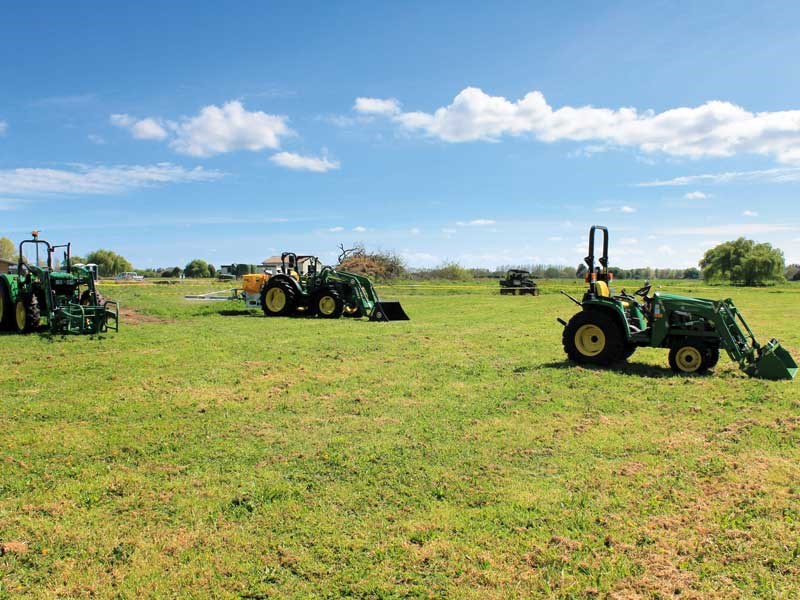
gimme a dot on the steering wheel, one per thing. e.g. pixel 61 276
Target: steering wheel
pixel 644 290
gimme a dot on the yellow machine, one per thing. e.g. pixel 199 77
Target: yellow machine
pixel 251 288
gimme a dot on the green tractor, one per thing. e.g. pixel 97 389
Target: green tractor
pixel 518 281
pixel 609 328
pixel 67 299
pixel 325 292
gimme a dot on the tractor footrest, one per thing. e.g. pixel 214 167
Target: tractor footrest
pixel 388 311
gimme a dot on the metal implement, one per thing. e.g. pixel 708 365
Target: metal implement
pixel 66 299
pixel 609 328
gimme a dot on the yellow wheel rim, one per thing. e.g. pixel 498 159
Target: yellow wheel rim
pixel 276 299
pixel 327 305
pixel 688 359
pixel 590 340
pixel 21 315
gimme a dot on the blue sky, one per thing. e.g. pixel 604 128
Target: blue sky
pixel 486 133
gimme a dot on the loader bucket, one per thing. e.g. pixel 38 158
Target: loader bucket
pixel 774 362
pixel 388 311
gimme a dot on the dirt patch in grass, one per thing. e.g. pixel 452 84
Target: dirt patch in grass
pixel 128 316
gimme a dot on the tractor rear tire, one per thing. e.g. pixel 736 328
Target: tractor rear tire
pixel 278 299
pixel 593 337
pixel 690 358
pixel 329 304
pixel 6 310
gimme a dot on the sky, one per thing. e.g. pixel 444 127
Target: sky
pixel 487 133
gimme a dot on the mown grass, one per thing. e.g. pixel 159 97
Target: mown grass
pixel 207 452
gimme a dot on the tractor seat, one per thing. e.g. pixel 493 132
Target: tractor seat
pixel 294 275
pixel 601 289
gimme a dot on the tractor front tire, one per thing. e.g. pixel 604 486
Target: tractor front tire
pixel 593 337
pixel 278 299
pixel 353 312
pixel 690 358
pixel 629 350
pixel 329 304
pixel 27 316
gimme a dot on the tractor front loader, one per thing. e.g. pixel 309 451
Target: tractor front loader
pixel 67 298
pixel 325 292
pixel 609 328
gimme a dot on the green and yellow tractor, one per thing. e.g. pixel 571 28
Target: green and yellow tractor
pixel 609 328
pixel 323 291
pixel 66 299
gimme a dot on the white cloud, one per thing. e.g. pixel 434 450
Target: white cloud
pixel 142 129
pixel 555 238
pixel 695 196
pixel 448 230
pixel 377 106
pixel 92 179
pixel 780 175
pixel 627 209
pixel 3 127
pixel 749 213
pixel 214 130
pixel 359 229
pixel 665 250
pixel 290 160
pixel 716 128
pixel 336 229
pixel 415 231
pixel 476 223
pixel 737 229
pixel 96 139
pixel 629 241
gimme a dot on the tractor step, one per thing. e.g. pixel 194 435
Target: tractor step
pixel 773 362
pixel 388 311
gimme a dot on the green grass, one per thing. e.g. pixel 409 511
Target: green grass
pixel 199 454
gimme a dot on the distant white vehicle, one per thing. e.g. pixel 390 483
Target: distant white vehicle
pixel 129 276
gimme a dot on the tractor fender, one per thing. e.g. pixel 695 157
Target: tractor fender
pixel 11 284
pixel 615 312
pixel 290 280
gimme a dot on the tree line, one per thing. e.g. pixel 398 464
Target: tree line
pixel 738 262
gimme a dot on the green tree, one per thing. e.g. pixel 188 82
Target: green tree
pixel 743 262
pixel 7 249
pixel 691 273
pixel 198 268
pixel 792 272
pixel 109 263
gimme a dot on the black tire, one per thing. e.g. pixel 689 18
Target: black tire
pixel 712 357
pixel 353 312
pixel 271 302
pixel 33 315
pixel 86 298
pixel 628 351
pixel 535 292
pixel 689 358
pixel 6 308
pixel 594 337
pixel 328 304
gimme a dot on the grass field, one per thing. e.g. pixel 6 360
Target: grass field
pixel 205 451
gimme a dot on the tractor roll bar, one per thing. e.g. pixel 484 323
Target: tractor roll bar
pixel 603 260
